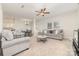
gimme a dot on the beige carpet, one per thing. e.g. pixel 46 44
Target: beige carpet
pixel 51 48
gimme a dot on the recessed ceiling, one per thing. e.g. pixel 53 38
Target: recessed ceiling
pixel 28 10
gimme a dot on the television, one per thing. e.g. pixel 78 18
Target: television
pixel 76 37
pixel 76 41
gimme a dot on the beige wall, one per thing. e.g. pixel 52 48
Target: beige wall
pixel 16 22
pixel 1 18
pixel 8 21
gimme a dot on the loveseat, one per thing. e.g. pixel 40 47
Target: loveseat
pixel 11 46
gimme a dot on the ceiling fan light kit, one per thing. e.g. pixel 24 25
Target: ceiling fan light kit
pixel 43 12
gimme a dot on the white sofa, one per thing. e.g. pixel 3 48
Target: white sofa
pixel 11 46
pixel 53 34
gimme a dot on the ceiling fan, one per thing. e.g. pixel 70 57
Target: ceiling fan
pixel 42 12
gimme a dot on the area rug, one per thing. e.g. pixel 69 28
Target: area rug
pixel 51 47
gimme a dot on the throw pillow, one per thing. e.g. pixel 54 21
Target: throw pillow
pixel 7 34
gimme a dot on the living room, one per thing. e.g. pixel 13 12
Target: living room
pixel 37 29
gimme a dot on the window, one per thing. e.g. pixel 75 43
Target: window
pixel 49 26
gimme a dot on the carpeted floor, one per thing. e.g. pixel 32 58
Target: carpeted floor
pixel 51 47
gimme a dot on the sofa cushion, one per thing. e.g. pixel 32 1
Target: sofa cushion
pixel 7 34
pixel 13 42
pixel 3 39
pixel 58 31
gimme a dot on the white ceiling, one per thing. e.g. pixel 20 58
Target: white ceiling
pixel 29 9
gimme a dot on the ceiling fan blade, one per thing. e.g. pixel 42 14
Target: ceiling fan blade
pixel 41 10
pixel 44 9
pixel 42 15
pixel 38 14
pixel 37 11
pixel 46 12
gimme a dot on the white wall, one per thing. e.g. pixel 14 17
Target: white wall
pixel 67 21
pixel 18 23
pixel 1 17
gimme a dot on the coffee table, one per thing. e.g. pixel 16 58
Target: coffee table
pixel 42 38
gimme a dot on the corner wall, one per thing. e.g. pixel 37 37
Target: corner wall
pixel 68 22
